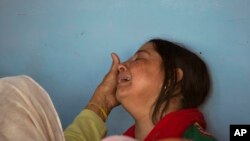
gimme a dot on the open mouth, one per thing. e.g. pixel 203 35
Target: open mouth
pixel 123 78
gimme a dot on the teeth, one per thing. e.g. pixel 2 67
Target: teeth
pixel 126 78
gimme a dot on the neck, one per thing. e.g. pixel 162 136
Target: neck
pixel 144 124
pixel 142 127
pixel 174 105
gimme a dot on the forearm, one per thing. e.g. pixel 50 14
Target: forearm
pixel 87 126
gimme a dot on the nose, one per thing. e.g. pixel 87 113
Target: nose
pixel 122 67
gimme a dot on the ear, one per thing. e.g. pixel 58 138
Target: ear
pixel 179 74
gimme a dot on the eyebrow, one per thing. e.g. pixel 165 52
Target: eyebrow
pixel 143 51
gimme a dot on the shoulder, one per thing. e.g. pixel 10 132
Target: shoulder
pixel 196 133
pixel 17 81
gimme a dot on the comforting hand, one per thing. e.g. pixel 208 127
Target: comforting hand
pixel 104 95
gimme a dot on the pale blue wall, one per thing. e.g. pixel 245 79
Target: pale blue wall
pixel 65 45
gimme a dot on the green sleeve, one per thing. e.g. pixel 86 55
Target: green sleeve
pixel 87 126
pixel 196 133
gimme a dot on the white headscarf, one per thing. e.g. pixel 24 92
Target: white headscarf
pixel 27 112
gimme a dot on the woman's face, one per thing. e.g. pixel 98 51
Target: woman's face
pixel 140 80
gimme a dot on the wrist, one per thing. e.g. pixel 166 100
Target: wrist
pixel 98 109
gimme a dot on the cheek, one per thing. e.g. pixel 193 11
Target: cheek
pixel 149 76
pixel 148 80
pixel 145 85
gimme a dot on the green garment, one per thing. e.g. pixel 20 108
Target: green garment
pixel 87 126
pixel 196 133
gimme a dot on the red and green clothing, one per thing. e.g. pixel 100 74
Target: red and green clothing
pixel 186 123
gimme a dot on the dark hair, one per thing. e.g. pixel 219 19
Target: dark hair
pixel 195 84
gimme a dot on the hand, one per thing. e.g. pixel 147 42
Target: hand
pixel 104 94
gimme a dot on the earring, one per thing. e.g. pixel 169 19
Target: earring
pixel 165 90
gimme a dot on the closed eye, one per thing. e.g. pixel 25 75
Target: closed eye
pixel 137 58
pixel 140 55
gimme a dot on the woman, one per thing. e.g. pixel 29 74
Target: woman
pixel 180 84
pixel 161 86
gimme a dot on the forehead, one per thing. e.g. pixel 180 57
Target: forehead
pixel 150 50
pixel 149 47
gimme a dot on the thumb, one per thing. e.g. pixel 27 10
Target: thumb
pixel 115 63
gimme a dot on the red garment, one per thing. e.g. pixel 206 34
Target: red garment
pixel 173 124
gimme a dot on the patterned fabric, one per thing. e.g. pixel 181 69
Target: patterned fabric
pixel 197 133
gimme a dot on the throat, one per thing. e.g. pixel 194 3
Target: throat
pixel 143 128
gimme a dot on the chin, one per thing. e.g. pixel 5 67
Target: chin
pixel 122 94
